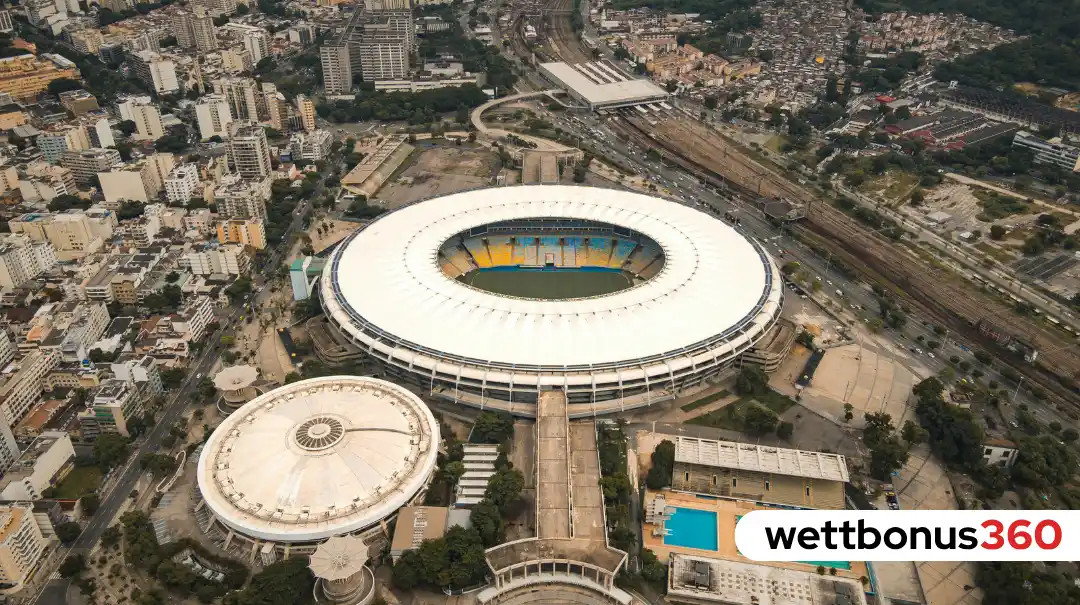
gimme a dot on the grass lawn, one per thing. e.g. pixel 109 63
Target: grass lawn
pixel 775 143
pixel 80 481
pixel 731 417
pixel 693 405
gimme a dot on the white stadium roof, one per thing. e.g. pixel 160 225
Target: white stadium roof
pixel 318 458
pixel 714 282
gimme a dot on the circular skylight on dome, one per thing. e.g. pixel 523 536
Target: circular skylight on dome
pixel 319 433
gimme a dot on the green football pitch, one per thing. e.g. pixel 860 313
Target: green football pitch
pixel 549 285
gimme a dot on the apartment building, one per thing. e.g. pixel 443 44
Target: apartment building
pixel 145 114
pixel 5 22
pixel 336 68
pixel 217 8
pixel 22 259
pixel 24 76
pixel 382 59
pixel 42 181
pixel 236 60
pixel 192 320
pixel 229 259
pixel 114 405
pixel 142 372
pixel 55 141
pixel 242 199
pixel 87 41
pixel 7 349
pixel 155 71
pixel 200 220
pixel 181 183
pixel 213 115
pixel 242 95
pixel 255 40
pixel 1049 151
pixel 22 545
pixel 305 108
pixel 20 386
pixel 78 102
pixel 12 116
pixel 275 107
pixel 141 181
pixel 203 30
pixel 249 152
pixel 42 465
pixel 246 232
pixel 312 146
pixel 86 163
pixel 73 234
pixel 100 131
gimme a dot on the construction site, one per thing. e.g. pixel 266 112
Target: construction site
pixel 920 284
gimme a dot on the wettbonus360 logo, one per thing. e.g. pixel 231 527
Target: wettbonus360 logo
pixel 920 535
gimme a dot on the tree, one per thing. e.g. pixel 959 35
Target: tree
pixel 172 377
pixel 90 503
pixel 111 536
pixel 72 566
pixel 492 427
pixel 487 520
pixel 912 433
pixel 504 488
pixel 1069 435
pixel 784 430
pixel 751 380
pixel 292 377
pixel 110 449
pixel 127 127
pixel 60 85
pixel 286 582
pixel 663 464
pixel 997 232
pixel 886 456
pixel 759 420
pixel 172 277
pixel 68 532
pixel 878 428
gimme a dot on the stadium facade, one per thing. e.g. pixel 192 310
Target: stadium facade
pixel 699 294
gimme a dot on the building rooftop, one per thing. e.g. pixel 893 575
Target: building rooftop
pixel 596 90
pixel 739 583
pixel 24 466
pixel 418 523
pixel 760 458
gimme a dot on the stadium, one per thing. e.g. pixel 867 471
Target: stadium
pixel 488 297
pixel 314 459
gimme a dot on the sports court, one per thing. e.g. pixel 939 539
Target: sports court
pixel 559 284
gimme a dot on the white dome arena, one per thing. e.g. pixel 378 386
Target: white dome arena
pixel 318 458
pixel 698 294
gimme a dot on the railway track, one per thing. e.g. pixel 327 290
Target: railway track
pixel 931 290
pixel 563 40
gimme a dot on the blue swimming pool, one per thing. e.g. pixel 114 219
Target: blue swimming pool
pixel 691 528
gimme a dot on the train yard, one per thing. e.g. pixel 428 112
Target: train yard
pixel 949 300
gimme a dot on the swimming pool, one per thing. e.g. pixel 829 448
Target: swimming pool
pixel 691 528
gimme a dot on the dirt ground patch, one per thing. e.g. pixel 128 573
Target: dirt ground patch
pixel 327 232
pixel 440 170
